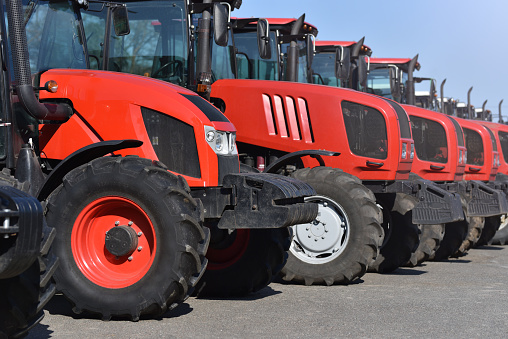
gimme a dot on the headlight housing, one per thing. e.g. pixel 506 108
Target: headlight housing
pixel 404 150
pixel 221 142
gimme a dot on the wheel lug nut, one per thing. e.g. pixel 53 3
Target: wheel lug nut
pixel 117 223
pixel 315 239
pixel 322 237
pixel 309 235
pixel 130 258
pixel 130 223
pixel 325 204
pixel 307 228
pixel 140 248
pixel 140 234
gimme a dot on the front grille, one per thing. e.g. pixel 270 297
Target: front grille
pixel 173 141
pixel 430 140
pixel 227 164
pixel 365 129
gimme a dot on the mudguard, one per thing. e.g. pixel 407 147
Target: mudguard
pixel 21 223
pixel 435 205
pixel 81 157
pixel 485 200
pixel 263 200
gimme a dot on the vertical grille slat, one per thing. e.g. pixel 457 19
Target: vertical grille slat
pixel 293 122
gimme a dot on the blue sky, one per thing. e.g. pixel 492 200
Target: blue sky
pixel 456 40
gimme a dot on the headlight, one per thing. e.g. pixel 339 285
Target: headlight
pixel 221 142
pixel 460 157
pixel 465 157
pixel 404 150
pixel 412 153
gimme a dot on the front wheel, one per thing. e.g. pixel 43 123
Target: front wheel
pixel 430 240
pixel 129 237
pixel 401 235
pixel 490 228
pixel 501 236
pixel 338 246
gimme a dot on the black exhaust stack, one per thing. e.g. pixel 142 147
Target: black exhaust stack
pixel 484 116
pixel 203 62
pixel 469 110
pixel 22 74
pixel 441 109
pixel 292 65
pixel 500 116
pixel 410 95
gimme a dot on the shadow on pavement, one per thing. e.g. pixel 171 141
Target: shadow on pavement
pixel 405 271
pixel 263 293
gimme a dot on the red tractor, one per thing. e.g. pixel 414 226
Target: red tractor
pixel 394 78
pixel 358 133
pixel 284 117
pixel 133 228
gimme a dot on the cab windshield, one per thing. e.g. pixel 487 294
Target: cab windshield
pixel 323 66
pixel 302 60
pixel 53 36
pixel 378 82
pixel 250 65
pixel 155 47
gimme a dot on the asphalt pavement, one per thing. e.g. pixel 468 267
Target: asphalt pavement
pixel 458 298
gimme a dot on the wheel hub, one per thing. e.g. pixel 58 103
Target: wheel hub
pixel 121 240
pixel 324 238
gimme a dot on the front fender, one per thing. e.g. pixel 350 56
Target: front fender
pixel 81 157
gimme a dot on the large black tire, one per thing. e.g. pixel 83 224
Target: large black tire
pixel 160 227
pixel 455 234
pixel 489 230
pixel 475 228
pixel 501 236
pixel 243 262
pixel 340 244
pixel 430 239
pixel 22 298
pixel 401 235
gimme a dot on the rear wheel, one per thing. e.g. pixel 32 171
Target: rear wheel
pixel 338 246
pixel 243 261
pixel 129 237
pixel 430 239
pixel 401 236
pixel 501 236
pixel 490 228
pixel 475 228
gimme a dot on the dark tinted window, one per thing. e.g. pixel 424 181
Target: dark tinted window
pixel 430 140
pixel 503 140
pixel 474 145
pixel 366 130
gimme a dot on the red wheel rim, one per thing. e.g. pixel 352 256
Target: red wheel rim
pixel 88 242
pixel 219 259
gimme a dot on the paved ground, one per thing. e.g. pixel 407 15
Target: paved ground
pixel 465 298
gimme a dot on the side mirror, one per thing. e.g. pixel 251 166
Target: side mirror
pixel 311 49
pixel 363 72
pixel 121 21
pixel 395 82
pixel 265 51
pixel 220 24
pixel 342 63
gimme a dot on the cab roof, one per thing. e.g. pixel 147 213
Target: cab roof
pixel 282 24
pixel 329 45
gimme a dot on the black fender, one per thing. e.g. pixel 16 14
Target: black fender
pixel 81 157
pixel 289 158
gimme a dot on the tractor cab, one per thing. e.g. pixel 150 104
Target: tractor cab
pixel 341 64
pixel 393 78
pixel 289 48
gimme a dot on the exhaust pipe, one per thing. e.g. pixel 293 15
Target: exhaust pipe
pixel 292 67
pixel 500 116
pixel 469 110
pixel 410 95
pixel 22 74
pixel 442 110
